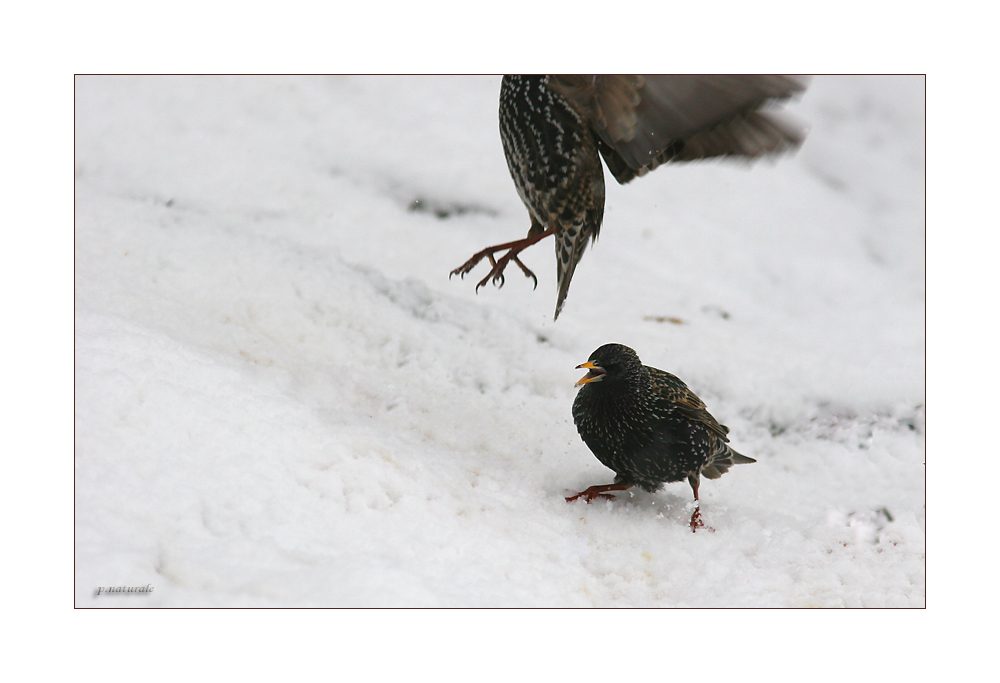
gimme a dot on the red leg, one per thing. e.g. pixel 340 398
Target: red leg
pixel 513 249
pixel 696 522
pixel 599 492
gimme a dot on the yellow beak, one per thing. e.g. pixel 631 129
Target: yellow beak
pixel 594 375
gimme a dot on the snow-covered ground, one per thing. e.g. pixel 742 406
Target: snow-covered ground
pixel 282 400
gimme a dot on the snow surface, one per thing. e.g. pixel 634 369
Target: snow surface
pixel 282 400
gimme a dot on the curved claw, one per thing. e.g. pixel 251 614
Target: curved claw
pixel 460 271
pixel 466 267
pixel 527 271
pixel 489 275
pixel 498 266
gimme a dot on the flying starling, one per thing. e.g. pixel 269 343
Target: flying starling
pixel 647 426
pixel 555 129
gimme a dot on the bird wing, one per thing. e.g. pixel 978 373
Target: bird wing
pixel 668 388
pixel 644 121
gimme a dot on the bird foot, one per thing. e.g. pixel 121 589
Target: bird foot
pixel 599 492
pixel 513 249
pixel 588 496
pixel 496 272
pixel 696 522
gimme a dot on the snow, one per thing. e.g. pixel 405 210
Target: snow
pixel 282 399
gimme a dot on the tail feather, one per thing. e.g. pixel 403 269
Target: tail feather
pixel 724 458
pixel 571 241
pixel 568 254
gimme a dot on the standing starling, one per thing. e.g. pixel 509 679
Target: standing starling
pixel 553 128
pixel 647 426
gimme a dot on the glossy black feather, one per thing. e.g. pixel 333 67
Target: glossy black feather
pixel 647 426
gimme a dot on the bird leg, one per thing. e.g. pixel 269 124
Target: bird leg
pixel 599 492
pixel 696 523
pixel 513 249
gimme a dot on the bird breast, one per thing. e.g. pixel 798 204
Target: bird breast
pixel 547 143
pixel 611 416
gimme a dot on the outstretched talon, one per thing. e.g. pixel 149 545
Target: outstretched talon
pixel 497 269
pixel 599 492
pixel 496 272
pixel 467 267
pixel 493 273
pixel 524 269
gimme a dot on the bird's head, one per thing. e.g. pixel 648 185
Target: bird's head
pixel 610 362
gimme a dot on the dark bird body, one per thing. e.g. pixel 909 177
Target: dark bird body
pixel 647 426
pixel 555 129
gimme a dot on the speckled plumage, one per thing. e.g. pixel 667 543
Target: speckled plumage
pixel 555 129
pixel 647 426
pixel 553 160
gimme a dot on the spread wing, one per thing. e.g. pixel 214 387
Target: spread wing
pixel 645 121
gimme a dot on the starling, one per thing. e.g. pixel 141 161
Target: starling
pixel 555 129
pixel 647 426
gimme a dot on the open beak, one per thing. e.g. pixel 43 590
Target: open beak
pixel 596 374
